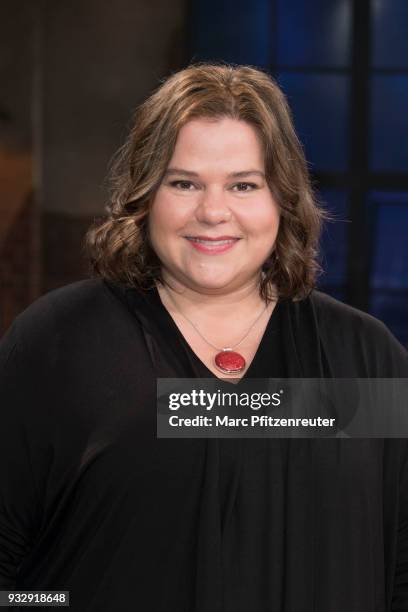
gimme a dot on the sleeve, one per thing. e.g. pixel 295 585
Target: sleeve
pixel 393 363
pixel 20 513
pixel 359 343
pixel 400 584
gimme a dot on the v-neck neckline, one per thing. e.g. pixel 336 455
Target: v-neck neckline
pixel 289 348
pixel 258 361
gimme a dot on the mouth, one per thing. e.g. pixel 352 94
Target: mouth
pixel 220 244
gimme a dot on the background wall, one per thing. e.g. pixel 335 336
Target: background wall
pixel 72 72
pixel 99 59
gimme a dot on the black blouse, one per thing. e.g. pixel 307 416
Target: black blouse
pixel 92 502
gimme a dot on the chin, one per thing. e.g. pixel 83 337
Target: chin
pixel 212 283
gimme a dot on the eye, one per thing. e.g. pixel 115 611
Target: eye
pixel 244 187
pixel 182 185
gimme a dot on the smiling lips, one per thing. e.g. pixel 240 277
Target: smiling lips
pixel 212 246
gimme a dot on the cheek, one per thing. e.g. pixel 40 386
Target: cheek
pixel 159 217
pixel 161 225
pixel 262 221
pixel 167 216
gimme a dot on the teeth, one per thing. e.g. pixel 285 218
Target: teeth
pixel 211 242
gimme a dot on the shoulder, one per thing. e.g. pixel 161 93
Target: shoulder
pixel 329 310
pixel 71 315
pixel 67 306
pixel 78 296
pixel 357 335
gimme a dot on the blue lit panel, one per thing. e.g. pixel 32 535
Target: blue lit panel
pixel 232 31
pixel 390 33
pixel 389 124
pixel 334 239
pixel 320 104
pixel 390 241
pixel 315 33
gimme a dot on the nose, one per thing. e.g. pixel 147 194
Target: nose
pixel 212 208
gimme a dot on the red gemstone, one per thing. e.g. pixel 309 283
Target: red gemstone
pixel 229 362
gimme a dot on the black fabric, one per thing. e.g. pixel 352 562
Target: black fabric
pixel 92 502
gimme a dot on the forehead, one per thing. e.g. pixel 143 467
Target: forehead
pixel 225 141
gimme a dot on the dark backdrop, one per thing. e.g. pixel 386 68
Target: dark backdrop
pixel 72 72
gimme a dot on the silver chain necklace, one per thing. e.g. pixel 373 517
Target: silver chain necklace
pixel 226 360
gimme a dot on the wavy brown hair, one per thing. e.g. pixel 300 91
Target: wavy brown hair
pixel 118 246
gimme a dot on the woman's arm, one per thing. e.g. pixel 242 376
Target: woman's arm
pixel 20 513
pixel 400 586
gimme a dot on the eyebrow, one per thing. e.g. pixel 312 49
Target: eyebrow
pixel 239 174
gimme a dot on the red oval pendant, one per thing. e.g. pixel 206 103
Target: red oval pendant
pixel 229 362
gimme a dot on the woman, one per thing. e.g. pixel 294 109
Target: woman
pixel 206 265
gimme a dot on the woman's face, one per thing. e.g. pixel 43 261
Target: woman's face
pixel 213 220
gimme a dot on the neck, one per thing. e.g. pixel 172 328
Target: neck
pixel 242 301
